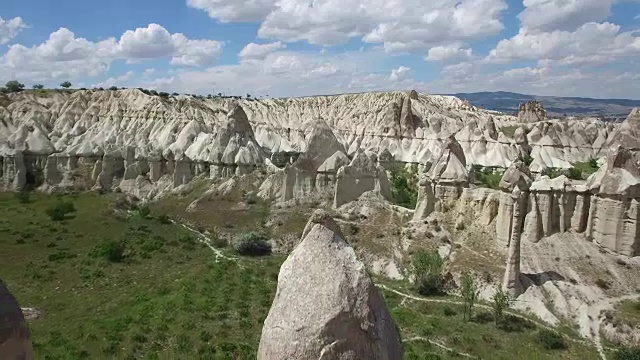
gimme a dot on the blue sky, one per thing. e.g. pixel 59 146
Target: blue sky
pixel 307 47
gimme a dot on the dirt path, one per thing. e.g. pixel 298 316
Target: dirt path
pixel 442 346
pixel 207 241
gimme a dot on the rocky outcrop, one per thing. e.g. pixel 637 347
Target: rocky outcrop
pixel 300 177
pixel 329 169
pixel 614 209
pixel 512 283
pixel 628 133
pixel 15 339
pixel 445 181
pixel 14 171
pixel 531 111
pixel 360 176
pixel 326 306
pixel 517 176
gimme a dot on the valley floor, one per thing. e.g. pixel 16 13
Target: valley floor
pixel 115 283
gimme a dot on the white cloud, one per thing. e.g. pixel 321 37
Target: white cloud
pixel 234 10
pixel 288 73
pixel 10 28
pixel 448 52
pixel 64 55
pixel 399 74
pixel 115 81
pixel 399 27
pixel 591 43
pixel 260 51
pixel 568 15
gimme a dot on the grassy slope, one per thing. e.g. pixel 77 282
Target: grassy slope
pixel 174 302
pixel 171 299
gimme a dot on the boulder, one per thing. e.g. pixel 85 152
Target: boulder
pixel 326 306
pixel 15 339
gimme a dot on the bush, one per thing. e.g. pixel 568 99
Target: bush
pixel 526 159
pixel 574 174
pixel 143 211
pixel 551 340
pixel 216 241
pixel 24 197
pixel 486 177
pixel 427 272
pixel 59 211
pixel 627 353
pixel 38 86
pixel 253 244
pixel 448 311
pixel 404 188
pixel 164 219
pixel 13 86
pixel 112 251
pixel 65 84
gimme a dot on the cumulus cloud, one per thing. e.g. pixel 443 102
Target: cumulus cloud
pixel 567 15
pixel 448 52
pixel 260 51
pixel 10 29
pixel 413 25
pixel 591 43
pixel 234 10
pixel 400 73
pixel 63 55
pixel 288 73
pixel 115 81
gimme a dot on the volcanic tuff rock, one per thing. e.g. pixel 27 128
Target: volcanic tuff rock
pixel 628 134
pixel 15 342
pixel 363 174
pixel 326 306
pixel 531 111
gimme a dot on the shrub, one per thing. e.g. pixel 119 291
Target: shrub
pixel 113 88
pixel 574 174
pixel 59 211
pixel 164 219
pixel 65 85
pixel 216 241
pixel 404 188
pixel 526 159
pixel 38 86
pixel 253 244
pixel 427 272
pixel 143 211
pixel 627 353
pixel 551 340
pixel 448 311
pixel 486 177
pixel 24 197
pixel 602 284
pixel 112 251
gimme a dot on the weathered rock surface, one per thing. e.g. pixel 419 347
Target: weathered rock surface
pixel 360 176
pixel 15 339
pixel 531 111
pixel 628 133
pixel 326 306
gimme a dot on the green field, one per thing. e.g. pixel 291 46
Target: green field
pixel 169 297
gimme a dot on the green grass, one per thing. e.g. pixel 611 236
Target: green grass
pixel 163 295
pixel 443 323
pixel 486 177
pixel 586 168
pixel 167 299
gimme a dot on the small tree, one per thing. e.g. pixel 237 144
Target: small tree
pixel 253 244
pixel 501 302
pixel 14 86
pixel 427 272
pixel 66 85
pixel 38 86
pixel 469 294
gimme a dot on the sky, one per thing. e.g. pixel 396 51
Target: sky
pixel 276 48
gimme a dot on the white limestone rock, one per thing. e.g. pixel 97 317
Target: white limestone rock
pixel 326 306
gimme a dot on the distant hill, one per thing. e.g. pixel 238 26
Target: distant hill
pixel 508 102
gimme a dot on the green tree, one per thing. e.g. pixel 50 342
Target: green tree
pixel 66 85
pixel 427 272
pixel 404 188
pixel 14 86
pixel 501 302
pixel 470 294
pixel 38 86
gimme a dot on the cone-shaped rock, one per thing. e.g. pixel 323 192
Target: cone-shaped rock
pixel 15 340
pixel 326 306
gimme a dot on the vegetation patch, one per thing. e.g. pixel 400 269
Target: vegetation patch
pixel 405 186
pixel 487 177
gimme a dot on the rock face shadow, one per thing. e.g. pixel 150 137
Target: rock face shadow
pixel 539 279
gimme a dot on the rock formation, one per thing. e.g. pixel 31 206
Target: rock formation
pixel 360 176
pixel 531 111
pixel 614 209
pixel 628 133
pixel 517 176
pixel 444 182
pixel 15 339
pixel 326 306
